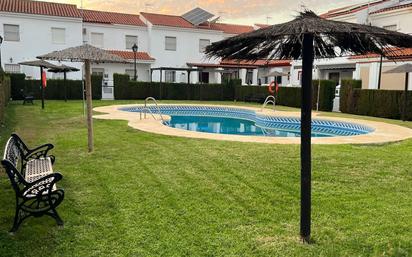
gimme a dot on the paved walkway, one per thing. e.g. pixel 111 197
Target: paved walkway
pixel 383 133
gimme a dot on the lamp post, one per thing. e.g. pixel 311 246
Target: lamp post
pixel 1 41
pixel 135 48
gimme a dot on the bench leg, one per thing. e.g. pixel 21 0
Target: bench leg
pixel 53 213
pixel 19 217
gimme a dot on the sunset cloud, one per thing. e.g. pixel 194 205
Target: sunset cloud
pixel 240 11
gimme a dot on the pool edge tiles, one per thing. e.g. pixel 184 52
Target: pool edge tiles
pixel 383 133
pixel 272 125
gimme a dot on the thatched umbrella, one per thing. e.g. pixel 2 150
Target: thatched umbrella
pixel 42 65
pixel 405 68
pixel 64 69
pixel 87 54
pixel 308 37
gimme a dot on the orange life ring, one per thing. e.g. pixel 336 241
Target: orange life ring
pixel 270 88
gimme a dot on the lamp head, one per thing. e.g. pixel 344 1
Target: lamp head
pixel 135 48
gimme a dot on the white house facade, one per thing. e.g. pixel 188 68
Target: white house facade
pixel 389 14
pixel 33 28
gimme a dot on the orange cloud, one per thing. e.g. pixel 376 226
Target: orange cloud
pixel 241 11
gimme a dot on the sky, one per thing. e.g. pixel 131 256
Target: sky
pixel 231 11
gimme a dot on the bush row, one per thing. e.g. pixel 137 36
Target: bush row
pixel 346 90
pixel 378 103
pixel 126 89
pixel 4 93
pixel 227 91
pixel 55 88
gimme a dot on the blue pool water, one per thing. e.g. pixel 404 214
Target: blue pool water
pixel 231 126
pixel 237 121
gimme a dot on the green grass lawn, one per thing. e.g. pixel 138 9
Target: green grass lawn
pixel 142 194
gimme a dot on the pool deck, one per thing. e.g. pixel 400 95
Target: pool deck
pixel 383 133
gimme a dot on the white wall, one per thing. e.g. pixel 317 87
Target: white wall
pixel 143 70
pixel 115 35
pixel 36 39
pixel 187 47
pixel 402 18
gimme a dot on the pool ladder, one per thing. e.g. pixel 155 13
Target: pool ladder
pixel 145 109
pixel 269 100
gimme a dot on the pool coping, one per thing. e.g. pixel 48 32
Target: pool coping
pixel 383 133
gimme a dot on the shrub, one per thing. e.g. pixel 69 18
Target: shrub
pixel 326 94
pixel 55 89
pixel 4 93
pixel 126 89
pixel 377 103
pixel 17 84
pixel 346 95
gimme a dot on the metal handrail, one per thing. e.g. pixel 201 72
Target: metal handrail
pixel 146 109
pixel 269 100
pixel 157 106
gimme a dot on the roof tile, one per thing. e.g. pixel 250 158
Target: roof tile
pixel 129 55
pixel 39 8
pixel 111 18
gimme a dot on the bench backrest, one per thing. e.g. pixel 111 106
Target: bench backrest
pixel 13 161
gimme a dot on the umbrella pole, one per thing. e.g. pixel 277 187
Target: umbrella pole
pixel 65 87
pixel 42 87
pixel 89 106
pixel 305 149
pixel 405 101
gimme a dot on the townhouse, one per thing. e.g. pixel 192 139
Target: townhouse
pixel 389 14
pixel 170 47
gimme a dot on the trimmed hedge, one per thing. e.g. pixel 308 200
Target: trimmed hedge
pixel 54 89
pixel 126 89
pixel 17 84
pixel 346 103
pixel 230 90
pixel 4 93
pixel 378 103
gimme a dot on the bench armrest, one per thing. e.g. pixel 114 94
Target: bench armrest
pixel 39 152
pixel 43 186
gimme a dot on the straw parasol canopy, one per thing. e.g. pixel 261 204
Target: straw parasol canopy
pixel 39 63
pixel 307 37
pixel 83 53
pixel 331 39
pixel 42 64
pixel 87 54
pixel 405 68
pixel 64 69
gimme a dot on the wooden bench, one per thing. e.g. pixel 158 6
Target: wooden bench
pixel 31 174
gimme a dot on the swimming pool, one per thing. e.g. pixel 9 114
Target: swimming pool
pixel 238 121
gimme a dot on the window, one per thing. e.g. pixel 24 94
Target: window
pixel 170 43
pixel 204 77
pixel 11 32
pixel 130 41
pixel 249 77
pixel 203 43
pixel 392 27
pixel 58 35
pixel 170 76
pixel 97 39
pixel 98 71
pixel 130 72
pixel 12 68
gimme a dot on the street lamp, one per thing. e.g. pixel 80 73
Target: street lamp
pixel 135 48
pixel 1 41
